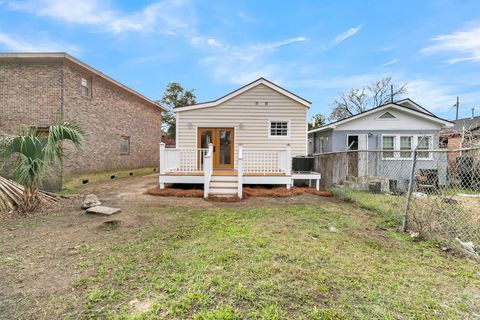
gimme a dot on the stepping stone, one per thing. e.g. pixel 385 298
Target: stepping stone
pixel 106 211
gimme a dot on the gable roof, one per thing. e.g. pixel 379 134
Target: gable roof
pixel 409 103
pixel 241 90
pixel 414 111
pixel 65 56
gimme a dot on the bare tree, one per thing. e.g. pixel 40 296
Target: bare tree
pixel 362 99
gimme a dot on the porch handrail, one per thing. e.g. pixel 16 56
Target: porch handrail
pixel 207 170
pixel 240 171
pixel 186 160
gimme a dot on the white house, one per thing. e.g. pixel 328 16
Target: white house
pixel 248 136
pixel 389 132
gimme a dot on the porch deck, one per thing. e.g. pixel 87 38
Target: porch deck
pixel 195 166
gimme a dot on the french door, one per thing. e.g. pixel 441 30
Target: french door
pixel 223 145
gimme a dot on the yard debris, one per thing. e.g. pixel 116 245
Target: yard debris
pixel 332 229
pixel 11 196
pixel 414 235
pixel 468 245
pixel 101 210
pixel 419 195
pixel 91 200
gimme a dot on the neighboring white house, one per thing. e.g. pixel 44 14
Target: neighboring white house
pixel 253 133
pixel 392 130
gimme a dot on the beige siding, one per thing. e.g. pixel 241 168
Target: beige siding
pixel 253 118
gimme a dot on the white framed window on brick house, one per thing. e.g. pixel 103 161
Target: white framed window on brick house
pixel 278 128
pixel 86 87
pixel 125 145
pixel 399 147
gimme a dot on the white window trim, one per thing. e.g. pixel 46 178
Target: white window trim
pixel 279 137
pixel 396 155
pixel 395 139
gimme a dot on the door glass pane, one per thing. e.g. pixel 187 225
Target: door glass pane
pixel 205 138
pixel 225 146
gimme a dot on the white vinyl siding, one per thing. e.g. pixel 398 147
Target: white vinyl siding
pixel 250 121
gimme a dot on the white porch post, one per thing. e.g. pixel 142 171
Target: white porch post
pixel 207 170
pixel 289 165
pixel 162 166
pixel 240 171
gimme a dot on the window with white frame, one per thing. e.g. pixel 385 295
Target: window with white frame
pixel 278 128
pixel 388 147
pixel 423 143
pixel 406 144
pixel 401 146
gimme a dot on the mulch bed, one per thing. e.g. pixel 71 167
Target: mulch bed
pixel 174 192
pixel 279 192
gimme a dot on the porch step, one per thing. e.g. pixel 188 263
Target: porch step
pixel 224 184
pixel 224 178
pixel 223 191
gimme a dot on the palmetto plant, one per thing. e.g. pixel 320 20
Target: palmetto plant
pixel 36 153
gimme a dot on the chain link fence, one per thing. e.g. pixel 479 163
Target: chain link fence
pixel 433 193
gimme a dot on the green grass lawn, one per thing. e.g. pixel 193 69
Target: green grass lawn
pixel 331 261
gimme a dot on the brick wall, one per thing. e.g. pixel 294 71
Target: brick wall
pixel 32 93
pixel 108 115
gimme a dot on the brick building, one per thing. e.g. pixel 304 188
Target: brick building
pixel 122 127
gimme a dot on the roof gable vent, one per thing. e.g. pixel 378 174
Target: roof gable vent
pixel 387 115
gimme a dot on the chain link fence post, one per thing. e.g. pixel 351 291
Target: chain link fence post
pixel 409 193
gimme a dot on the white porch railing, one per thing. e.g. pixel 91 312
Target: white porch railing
pixel 207 172
pixel 187 160
pixel 276 161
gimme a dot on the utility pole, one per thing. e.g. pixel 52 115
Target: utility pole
pixel 457 105
pixel 391 93
pixel 473 113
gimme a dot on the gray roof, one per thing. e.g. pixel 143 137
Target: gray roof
pixel 470 123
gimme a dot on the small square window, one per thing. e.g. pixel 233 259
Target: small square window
pixel 86 87
pixel 125 145
pixel 279 128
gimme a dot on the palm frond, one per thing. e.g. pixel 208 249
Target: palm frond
pixel 62 131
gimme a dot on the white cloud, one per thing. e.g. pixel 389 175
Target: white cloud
pixel 13 43
pixel 465 43
pixel 241 64
pixel 388 63
pixel 168 16
pixel 345 35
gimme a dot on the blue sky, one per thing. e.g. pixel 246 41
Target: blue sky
pixel 317 49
